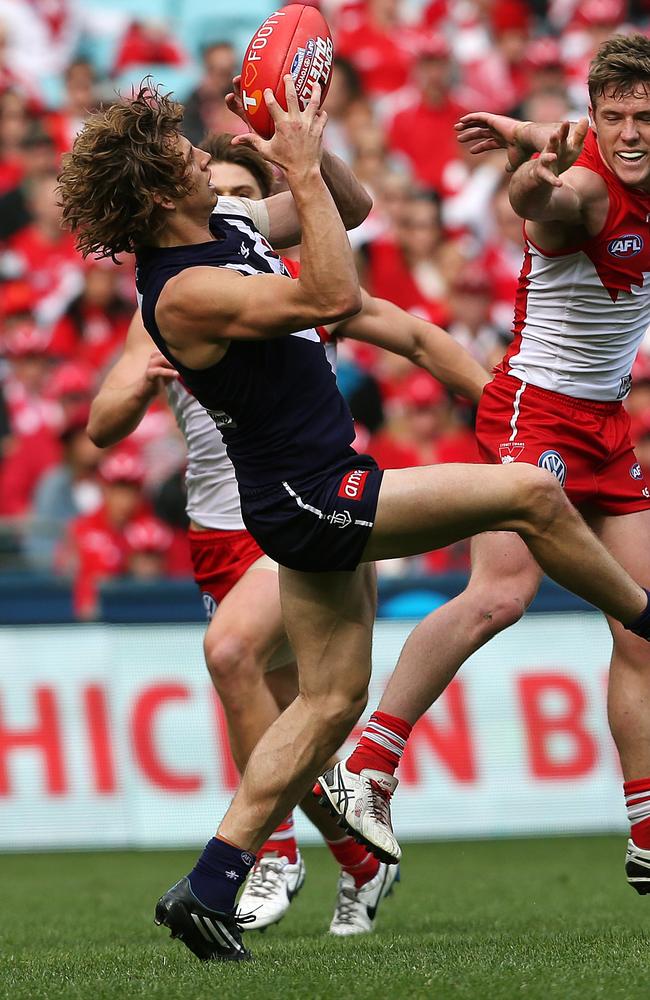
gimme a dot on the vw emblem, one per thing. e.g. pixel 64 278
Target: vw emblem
pixel 553 462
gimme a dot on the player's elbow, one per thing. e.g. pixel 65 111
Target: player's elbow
pixel 344 305
pixel 359 212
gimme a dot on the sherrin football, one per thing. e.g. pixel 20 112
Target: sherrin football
pixel 296 40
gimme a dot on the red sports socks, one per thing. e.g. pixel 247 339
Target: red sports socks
pixel 282 842
pixel 637 800
pixel 380 745
pixel 354 859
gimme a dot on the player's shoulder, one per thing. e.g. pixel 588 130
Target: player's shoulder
pixel 235 207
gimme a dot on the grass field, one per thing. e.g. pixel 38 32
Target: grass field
pixel 527 919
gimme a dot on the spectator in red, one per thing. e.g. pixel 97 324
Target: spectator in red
pixel 80 100
pixel 410 269
pixel 45 255
pixel 424 131
pixel 68 490
pixel 205 110
pixel 15 119
pixel 34 157
pixel 497 80
pixel 148 541
pixel 594 22
pixel 148 41
pixel 377 43
pixel 71 386
pixel 33 445
pixel 545 66
pixel 95 322
pixel 96 548
pixel 470 303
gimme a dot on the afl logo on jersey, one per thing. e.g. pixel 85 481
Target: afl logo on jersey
pixel 553 462
pixel 625 246
pixel 635 471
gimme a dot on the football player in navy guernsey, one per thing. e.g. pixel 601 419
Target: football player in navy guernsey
pixel 218 304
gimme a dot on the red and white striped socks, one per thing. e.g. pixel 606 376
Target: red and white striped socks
pixel 282 842
pixel 637 801
pixel 380 745
pixel 354 859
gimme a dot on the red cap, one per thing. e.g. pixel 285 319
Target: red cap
pixel 544 53
pixel 509 15
pixel 75 421
pixel 420 390
pixel 122 467
pixel 16 297
pixel 26 340
pixel 70 379
pixel 148 534
pixel 432 45
pixel 473 282
pixel 602 12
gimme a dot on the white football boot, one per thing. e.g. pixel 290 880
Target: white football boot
pixel 637 867
pixel 361 804
pixel 356 909
pixel 269 890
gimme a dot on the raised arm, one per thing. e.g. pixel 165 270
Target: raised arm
pixel 132 383
pixel 482 131
pixel 210 306
pixel 429 346
pixel 350 197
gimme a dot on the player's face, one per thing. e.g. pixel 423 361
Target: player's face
pixel 197 160
pixel 231 180
pixel 623 128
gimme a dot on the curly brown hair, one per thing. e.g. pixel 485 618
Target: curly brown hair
pixel 123 163
pixel 621 64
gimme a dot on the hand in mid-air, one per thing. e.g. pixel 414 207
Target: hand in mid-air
pixel 297 143
pixel 484 131
pixel 560 152
pixel 158 373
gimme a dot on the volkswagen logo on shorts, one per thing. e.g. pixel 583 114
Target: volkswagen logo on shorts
pixel 553 462
pixel 635 471
pixel 209 605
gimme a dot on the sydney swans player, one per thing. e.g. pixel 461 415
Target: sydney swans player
pixel 218 304
pixel 582 308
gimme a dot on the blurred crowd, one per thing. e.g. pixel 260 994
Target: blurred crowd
pixel 441 241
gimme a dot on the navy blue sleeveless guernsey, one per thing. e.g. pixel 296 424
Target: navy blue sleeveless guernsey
pixel 276 401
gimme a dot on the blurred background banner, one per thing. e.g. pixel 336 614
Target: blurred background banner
pixel 110 736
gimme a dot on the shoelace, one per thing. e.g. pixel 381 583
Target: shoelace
pixel 346 905
pixel 264 878
pixel 379 803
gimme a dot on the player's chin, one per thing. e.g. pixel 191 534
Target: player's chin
pixel 632 171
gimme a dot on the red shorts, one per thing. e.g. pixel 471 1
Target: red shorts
pixel 585 443
pixel 219 560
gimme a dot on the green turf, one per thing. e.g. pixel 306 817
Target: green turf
pixel 527 919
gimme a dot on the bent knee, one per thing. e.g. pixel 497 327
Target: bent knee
pixel 496 612
pixel 337 713
pixel 231 660
pixel 541 496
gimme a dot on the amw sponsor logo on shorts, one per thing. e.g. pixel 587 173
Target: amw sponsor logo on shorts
pixel 353 484
pixel 553 462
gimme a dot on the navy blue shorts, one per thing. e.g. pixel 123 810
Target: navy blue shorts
pixel 318 523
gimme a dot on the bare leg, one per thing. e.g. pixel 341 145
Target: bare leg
pixel 237 647
pixel 329 620
pixel 628 538
pixel 283 683
pixel 422 509
pixel 504 580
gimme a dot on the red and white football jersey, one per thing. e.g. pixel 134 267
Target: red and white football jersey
pixel 581 314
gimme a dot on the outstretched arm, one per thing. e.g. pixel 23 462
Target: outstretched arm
pixel 483 131
pixel 133 382
pixel 429 346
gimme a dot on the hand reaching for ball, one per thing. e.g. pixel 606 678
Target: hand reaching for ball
pixel 297 143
